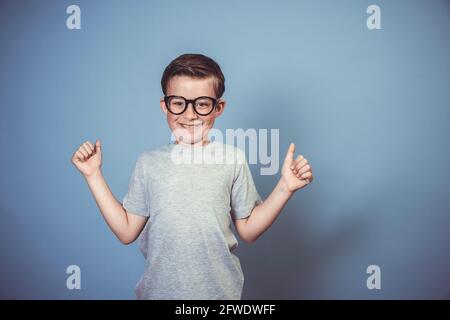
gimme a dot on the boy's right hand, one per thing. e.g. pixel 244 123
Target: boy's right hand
pixel 88 158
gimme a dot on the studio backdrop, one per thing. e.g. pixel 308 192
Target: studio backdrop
pixel 361 87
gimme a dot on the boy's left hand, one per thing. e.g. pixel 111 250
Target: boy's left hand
pixel 295 173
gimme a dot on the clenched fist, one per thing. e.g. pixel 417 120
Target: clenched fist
pixel 88 158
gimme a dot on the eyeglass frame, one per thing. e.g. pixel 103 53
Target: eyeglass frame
pixel 187 101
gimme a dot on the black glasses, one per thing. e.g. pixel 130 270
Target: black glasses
pixel 202 105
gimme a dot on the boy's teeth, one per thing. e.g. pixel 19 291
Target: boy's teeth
pixel 188 125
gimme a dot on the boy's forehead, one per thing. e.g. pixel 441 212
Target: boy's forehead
pixel 190 88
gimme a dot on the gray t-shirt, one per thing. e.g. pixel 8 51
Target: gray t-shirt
pixel 191 194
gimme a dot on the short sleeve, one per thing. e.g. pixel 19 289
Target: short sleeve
pixel 244 196
pixel 136 200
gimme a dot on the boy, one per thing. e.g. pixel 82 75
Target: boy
pixel 182 212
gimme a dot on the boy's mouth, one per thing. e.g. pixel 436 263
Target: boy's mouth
pixel 189 126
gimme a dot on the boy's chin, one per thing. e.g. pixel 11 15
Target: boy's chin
pixel 189 139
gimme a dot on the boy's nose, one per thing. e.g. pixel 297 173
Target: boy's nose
pixel 190 113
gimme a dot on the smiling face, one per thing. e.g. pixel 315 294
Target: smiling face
pixel 189 127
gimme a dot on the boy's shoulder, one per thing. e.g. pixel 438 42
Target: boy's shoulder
pixel 150 154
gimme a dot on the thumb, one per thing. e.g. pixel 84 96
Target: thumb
pixel 290 154
pixel 98 147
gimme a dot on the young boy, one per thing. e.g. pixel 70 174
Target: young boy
pixel 182 211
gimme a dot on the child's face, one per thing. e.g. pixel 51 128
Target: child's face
pixel 190 127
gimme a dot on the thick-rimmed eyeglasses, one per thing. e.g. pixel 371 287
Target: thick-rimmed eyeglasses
pixel 202 105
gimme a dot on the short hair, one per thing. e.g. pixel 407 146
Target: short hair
pixel 196 66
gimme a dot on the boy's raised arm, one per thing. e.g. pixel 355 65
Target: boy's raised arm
pixel 295 174
pixel 126 226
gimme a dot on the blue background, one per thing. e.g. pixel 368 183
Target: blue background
pixel 368 109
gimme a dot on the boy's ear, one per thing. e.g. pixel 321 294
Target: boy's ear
pixel 162 104
pixel 220 107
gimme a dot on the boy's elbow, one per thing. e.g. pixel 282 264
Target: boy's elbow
pixel 244 232
pixel 126 240
pixel 248 238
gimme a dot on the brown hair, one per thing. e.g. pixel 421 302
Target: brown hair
pixel 196 66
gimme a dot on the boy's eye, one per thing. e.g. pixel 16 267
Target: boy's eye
pixel 203 106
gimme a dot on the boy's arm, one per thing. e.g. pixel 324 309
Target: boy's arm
pixel 126 226
pixel 295 174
